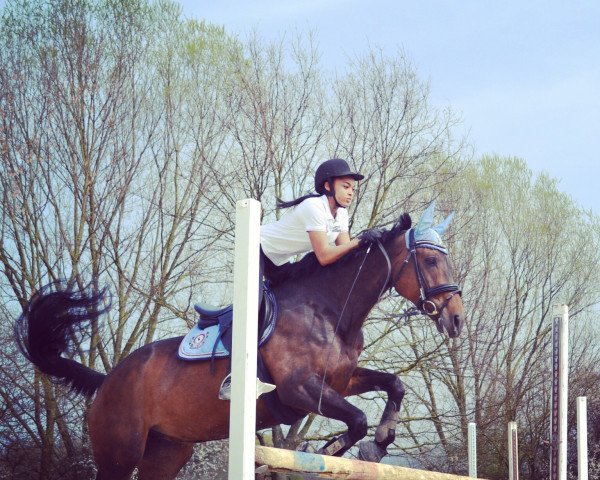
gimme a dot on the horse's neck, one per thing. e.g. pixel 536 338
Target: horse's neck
pixel 355 289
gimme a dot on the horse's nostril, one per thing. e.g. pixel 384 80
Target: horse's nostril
pixel 457 322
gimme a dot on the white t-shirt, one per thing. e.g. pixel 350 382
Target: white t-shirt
pixel 288 237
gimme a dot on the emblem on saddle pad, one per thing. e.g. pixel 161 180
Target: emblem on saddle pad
pixel 198 340
pixel 202 344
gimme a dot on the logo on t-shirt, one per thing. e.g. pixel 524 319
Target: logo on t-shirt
pixel 333 226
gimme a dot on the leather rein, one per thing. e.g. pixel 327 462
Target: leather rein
pixel 426 305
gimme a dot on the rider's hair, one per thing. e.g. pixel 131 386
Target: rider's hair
pixel 293 203
pixel 321 190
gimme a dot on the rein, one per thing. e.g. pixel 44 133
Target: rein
pixel 337 325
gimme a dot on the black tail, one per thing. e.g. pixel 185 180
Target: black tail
pixel 45 331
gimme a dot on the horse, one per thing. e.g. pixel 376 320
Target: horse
pixel 150 410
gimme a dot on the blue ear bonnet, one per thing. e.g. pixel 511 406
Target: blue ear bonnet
pixel 425 234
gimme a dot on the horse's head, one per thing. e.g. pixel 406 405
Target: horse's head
pixel 421 273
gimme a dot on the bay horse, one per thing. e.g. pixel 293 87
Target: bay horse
pixel 152 407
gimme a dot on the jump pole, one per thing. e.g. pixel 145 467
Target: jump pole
pixel 242 416
pixel 472 449
pixel 559 398
pixel 324 466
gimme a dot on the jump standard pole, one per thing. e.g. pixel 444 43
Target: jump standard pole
pixel 582 445
pixel 472 449
pixel 559 396
pixel 513 451
pixel 242 417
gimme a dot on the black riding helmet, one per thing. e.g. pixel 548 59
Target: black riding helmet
pixel 330 169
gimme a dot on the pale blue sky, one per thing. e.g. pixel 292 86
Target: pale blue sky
pixel 524 74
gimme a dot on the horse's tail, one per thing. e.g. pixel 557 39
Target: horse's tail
pixel 47 326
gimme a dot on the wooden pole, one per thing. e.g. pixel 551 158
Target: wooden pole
pixel 513 452
pixel 559 399
pixel 472 454
pixel 323 466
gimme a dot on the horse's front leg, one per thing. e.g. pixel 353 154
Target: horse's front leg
pixel 364 380
pixel 316 396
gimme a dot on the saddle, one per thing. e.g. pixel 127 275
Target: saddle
pixel 210 315
pixel 211 337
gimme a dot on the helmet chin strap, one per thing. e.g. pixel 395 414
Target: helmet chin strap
pixel 331 193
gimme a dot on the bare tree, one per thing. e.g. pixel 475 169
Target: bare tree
pixel 103 176
pixel 382 120
pixel 275 119
pixel 518 258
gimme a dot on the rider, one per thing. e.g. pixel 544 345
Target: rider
pixel 318 223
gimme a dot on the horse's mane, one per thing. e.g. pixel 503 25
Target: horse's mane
pixel 309 265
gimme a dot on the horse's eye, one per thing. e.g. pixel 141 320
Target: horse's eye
pixel 431 261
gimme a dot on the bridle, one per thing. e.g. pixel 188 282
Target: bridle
pixel 426 305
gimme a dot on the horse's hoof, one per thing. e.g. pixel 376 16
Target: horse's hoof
pixel 261 470
pixel 369 451
pixel 306 447
pixel 336 446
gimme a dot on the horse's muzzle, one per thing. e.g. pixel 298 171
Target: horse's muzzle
pixel 451 322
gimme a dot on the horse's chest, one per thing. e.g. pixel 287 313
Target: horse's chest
pixel 306 339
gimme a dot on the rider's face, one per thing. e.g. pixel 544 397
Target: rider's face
pixel 344 188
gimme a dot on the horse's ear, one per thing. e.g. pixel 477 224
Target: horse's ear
pixel 441 228
pixel 426 220
pixel 404 222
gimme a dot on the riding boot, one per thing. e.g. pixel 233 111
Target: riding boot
pixel 225 389
pixel 261 387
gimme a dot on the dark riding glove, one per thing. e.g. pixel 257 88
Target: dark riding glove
pixel 370 236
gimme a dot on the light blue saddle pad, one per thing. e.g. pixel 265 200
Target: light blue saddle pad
pixel 199 344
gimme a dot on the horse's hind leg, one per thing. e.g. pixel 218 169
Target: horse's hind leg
pixel 108 471
pixel 117 447
pixel 163 457
pixel 364 380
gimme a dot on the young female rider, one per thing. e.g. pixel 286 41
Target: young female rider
pixel 318 223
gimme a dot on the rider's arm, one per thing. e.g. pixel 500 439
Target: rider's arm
pixel 342 238
pixel 326 253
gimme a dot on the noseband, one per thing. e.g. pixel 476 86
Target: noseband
pixel 426 305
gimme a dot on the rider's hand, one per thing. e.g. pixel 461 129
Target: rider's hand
pixel 371 236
